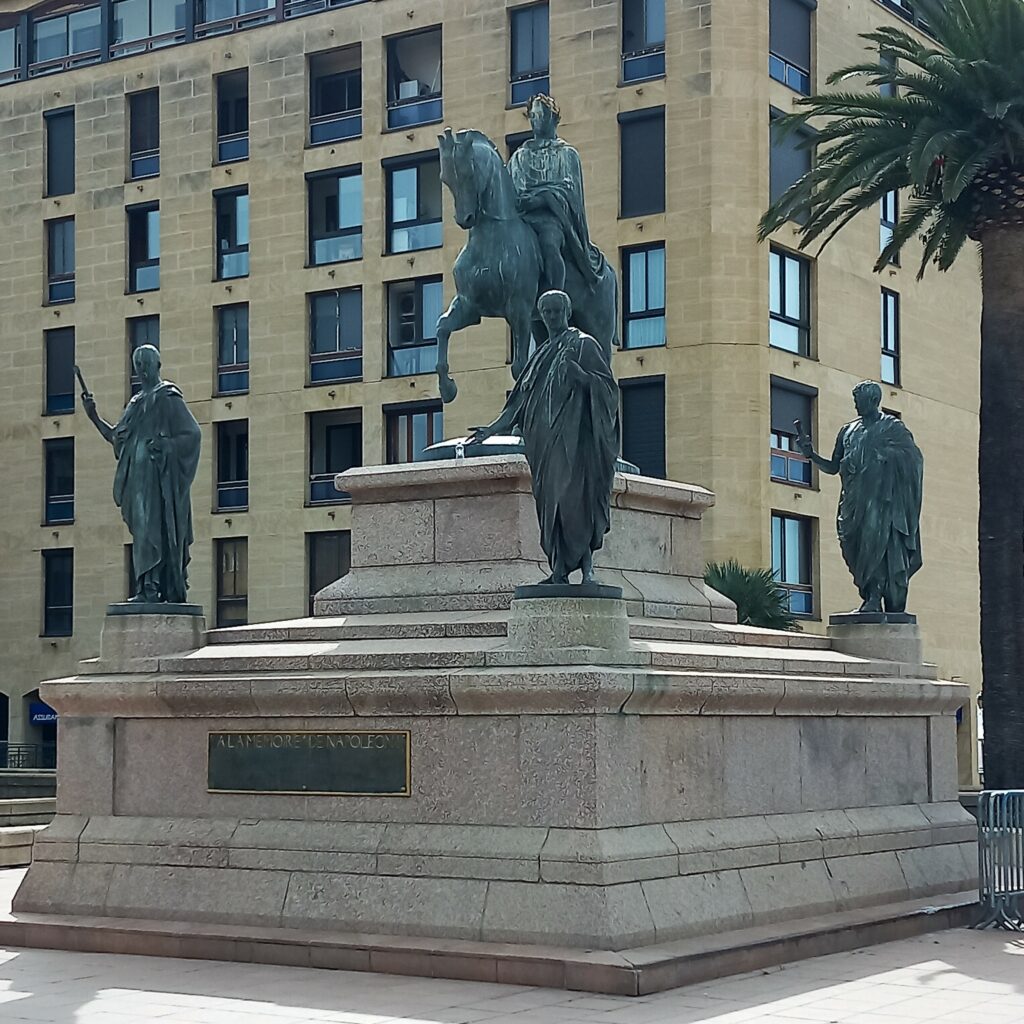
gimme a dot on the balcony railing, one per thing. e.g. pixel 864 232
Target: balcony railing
pixel 145 163
pixel 409 360
pixel 60 402
pixel 128 47
pixel 300 8
pixel 60 508
pixel 61 288
pixel 643 64
pixel 330 367
pixel 419 110
pixel 529 84
pixel 323 492
pixel 232 379
pixel 239 22
pixel 32 756
pixel 232 495
pixel 232 147
pixel 339 247
pixel 335 127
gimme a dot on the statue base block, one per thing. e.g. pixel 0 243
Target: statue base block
pixel 884 636
pixel 135 640
pixel 153 608
pixel 572 590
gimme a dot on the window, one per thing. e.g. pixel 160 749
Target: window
pixel 59 485
pixel 336 336
pixel 889 61
pixel 232 233
pixel 142 330
pixel 890 217
pixel 411 429
pixel 329 557
pixel 60 152
pixel 414 205
pixel 60 371
pixel 414 78
pixel 789 302
pixel 216 16
pixel 890 337
pixel 528 31
pixel 232 349
pixel 790 402
pixel 66 41
pixel 232 562
pixel 58 591
pixel 144 134
pixel 335 216
pixel 335 444
pixel 514 141
pixel 790 160
pixel 232 465
pixel 791 561
pixel 643 39
pixel 147 24
pixel 414 308
pixel 642 162
pixel 10 55
pixel 143 248
pixel 60 260
pixel 643 424
pixel 643 306
pixel 789 61
pixel 233 116
pixel 335 95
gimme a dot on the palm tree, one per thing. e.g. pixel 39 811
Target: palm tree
pixel 943 119
pixel 755 592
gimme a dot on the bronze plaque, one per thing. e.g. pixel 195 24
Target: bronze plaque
pixel 354 763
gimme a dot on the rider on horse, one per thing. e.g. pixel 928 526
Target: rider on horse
pixel 548 179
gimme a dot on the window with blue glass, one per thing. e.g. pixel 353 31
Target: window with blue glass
pixel 232 233
pixel 60 151
pixel 789 60
pixel 413 204
pixel 643 306
pixel 58 591
pixel 335 95
pixel 888 221
pixel 643 39
pixel 144 248
pixel 642 406
pixel 59 345
pixel 414 308
pixel 790 402
pixel 10 55
pixel 215 16
pixel 335 444
pixel 144 134
pixel 336 336
pixel 232 116
pixel 59 480
pixel 66 40
pixel 140 25
pixel 890 337
pixel 142 330
pixel 891 64
pixel 414 78
pixel 60 260
pixel 789 302
pixel 329 556
pixel 231 561
pixel 335 216
pixel 232 349
pixel 528 32
pixel 232 465
pixel 792 541
pixel 411 429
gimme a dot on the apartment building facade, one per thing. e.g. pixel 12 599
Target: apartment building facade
pixel 252 185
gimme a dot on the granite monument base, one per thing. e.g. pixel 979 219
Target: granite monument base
pixel 604 794
pixel 889 636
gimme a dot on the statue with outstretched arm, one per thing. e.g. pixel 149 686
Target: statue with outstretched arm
pixel 156 443
pixel 881 470
pixel 566 406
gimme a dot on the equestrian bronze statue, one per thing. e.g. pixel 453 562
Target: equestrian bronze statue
pixel 528 234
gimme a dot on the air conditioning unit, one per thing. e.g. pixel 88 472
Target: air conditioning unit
pixel 409 90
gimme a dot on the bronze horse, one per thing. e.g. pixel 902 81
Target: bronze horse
pixel 498 271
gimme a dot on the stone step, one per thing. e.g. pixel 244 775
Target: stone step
pixel 440 625
pixel 27 811
pixel 16 844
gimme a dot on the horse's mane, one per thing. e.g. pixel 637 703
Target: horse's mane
pixel 475 136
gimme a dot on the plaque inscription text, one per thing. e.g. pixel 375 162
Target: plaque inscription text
pixel 355 763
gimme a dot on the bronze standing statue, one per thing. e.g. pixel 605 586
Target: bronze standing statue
pixel 156 444
pixel 528 233
pixel 566 406
pixel 882 472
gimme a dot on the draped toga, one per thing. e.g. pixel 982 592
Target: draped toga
pixel 156 444
pixel 566 405
pixel 882 473
pixel 550 170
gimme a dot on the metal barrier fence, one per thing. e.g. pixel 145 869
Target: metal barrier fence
pixel 1001 859
pixel 28 755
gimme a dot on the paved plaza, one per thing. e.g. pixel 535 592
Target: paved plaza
pixel 957 976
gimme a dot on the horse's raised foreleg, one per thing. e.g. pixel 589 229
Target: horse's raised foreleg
pixel 461 313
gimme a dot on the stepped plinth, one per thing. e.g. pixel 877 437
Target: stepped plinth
pixel 434 777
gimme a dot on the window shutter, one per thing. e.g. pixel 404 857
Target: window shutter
pixel 642 162
pixel 791 403
pixel 790 161
pixel 790 31
pixel 643 425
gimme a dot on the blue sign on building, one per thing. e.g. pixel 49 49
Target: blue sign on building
pixel 40 713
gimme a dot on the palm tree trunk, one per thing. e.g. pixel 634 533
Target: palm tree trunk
pixel 1001 519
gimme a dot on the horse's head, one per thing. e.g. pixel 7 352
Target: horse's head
pixel 468 163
